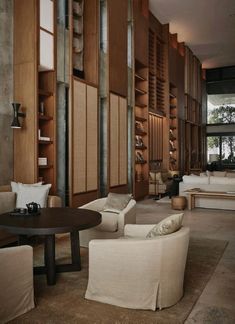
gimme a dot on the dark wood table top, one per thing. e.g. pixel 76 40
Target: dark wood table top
pixel 51 221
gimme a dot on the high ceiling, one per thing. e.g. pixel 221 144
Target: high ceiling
pixel 206 26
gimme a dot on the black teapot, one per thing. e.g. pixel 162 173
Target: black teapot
pixel 33 207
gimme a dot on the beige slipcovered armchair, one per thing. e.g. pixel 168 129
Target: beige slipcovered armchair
pixel 112 225
pixel 16 282
pixel 136 272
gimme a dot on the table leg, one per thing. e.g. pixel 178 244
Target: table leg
pixel 75 249
pixel 49 255
pixel 193 201
pixel 190 202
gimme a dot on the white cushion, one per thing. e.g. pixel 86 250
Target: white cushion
pixel 230 174
pixel 219 173
pixel 168 225
pixel 222 180
pixel 27 194
pixel 109 222
pixel 116 202
pixel 203 174
pixel 15 185
pixel 195 179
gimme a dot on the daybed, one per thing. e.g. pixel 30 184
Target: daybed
pixel 224 183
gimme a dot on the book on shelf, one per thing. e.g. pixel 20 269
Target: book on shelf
pixel 44 138
pixel 42 161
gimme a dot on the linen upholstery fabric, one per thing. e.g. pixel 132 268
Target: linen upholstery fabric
pixel 126 216
pixel 116 202
pixel 222 180
pixel 167 226
pixel 230 174
pixel 138 273
pixel 219 173
pixel 27 194
pixel 16 281
pixel 195 179
pixel 109 222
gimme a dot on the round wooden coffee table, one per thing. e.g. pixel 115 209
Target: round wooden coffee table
pixel 52 221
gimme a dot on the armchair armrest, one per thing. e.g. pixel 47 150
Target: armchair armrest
pixel 54 201
pixel 127 215
pixel 97 204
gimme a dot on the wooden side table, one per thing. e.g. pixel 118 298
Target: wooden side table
pixel 178 202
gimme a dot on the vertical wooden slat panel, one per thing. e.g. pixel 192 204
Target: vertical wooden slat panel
pixel 79 137
pixel 114 141
pixel 92 140
pixel 122 141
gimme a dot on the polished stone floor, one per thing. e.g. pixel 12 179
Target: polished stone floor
pixel 216 304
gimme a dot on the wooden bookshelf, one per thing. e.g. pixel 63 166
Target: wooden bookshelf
pixel 141 130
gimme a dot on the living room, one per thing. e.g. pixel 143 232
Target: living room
pixel 120 97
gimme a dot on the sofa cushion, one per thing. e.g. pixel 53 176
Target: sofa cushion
pixel 37 194
pixel 109 222
pixel 230 174
pixel 7 201
pixel 195 179
pixel 219 173
pixel 116 202
pixel 222 180
pixel 168 225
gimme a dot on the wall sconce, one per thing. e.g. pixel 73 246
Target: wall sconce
pixel 15 123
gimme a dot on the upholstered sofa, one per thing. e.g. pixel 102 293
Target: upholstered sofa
pixel 112 225
pixel 8 202
pixel 217 181
pixel 138 272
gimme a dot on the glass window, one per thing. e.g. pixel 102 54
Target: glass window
pixel 213 149
pixel 221 109
pixel 221 151
pixel 228 149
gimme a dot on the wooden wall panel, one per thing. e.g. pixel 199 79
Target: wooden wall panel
pixel 122 141
pixel 155 136
pixel 141 24
pixel 25 90
pixel 114 140
pixel 79 137
pixel 92 138
pixel 25 150
pixel 91 43
pixel 118 46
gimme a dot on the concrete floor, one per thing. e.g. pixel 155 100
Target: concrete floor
pixel 217 302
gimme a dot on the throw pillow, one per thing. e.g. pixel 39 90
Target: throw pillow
pixel 15 185
pixel 27 194
pixel 116 202
pixel 168 225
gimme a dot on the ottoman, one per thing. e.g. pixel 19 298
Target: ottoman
pixel 178 202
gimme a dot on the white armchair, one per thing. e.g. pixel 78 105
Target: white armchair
pixel 135 272
pixel 112 225
pixel 16 282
